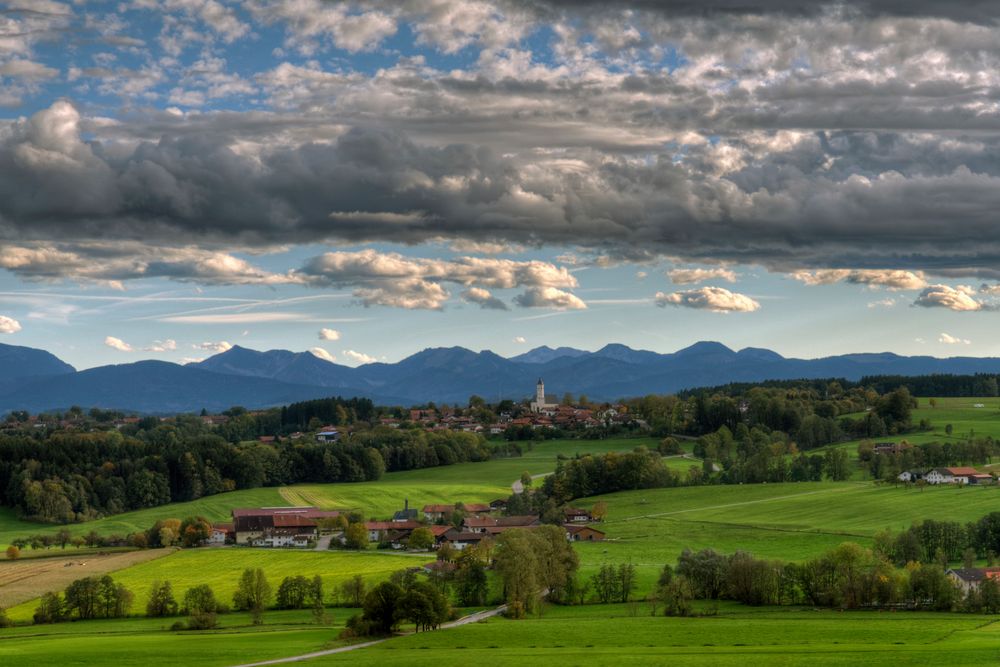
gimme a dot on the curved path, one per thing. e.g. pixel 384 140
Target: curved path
pixel 471 618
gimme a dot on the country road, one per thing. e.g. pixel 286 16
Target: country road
pixel 465 620
pixel 518 487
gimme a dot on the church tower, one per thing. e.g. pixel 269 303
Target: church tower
pixel 540 392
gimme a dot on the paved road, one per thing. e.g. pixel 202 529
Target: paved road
pixel 323 543
pixel 471 618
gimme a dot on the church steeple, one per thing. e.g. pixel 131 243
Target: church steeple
pixel 540 392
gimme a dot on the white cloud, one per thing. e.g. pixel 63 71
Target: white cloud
pixel 9 325
pixel 117 344
pixel 190 360
pixel 26 69
pixel 214 347
pixel 322 354
pixel 484 298
pixel 887 278
pixel 359 358
pixel 392 279
pixel 549 297
pixel 953 298
pixel 689 276
pixel 715 299
pixel 520 340
pixel 948 339
pixel 329 334
pixel 167 345
pixel 882 303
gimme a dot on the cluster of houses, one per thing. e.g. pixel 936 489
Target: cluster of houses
pixel 302 526
pixel 480 521
pixel 954 475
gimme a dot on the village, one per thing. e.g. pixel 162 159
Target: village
pixel 510 419
pixel 455 526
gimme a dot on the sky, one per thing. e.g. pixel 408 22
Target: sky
pixel 367 179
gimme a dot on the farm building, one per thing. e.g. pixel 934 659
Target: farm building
pixel 956 475
pixel 968 578
pixel 278 526
pixel 578 533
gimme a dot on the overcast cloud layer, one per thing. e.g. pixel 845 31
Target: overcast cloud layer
pixel 854 135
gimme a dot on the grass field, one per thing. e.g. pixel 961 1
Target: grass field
pixel 610 635
pixel 792 521
pixel 221 569
pixel 788 521
pixel 149 643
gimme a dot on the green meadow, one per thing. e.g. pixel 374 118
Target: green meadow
pixel 628 635
pixel 148 642
pixel 792 521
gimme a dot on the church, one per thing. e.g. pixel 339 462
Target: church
pixel 539 404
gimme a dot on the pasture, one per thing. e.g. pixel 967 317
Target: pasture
pixel 148 642
pixel 221 569
pixel 793 521
pixel 628 635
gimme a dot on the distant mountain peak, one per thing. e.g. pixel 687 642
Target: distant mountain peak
pixel 704 347
pixel 544 354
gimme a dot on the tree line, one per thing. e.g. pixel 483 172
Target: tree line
pixel 74 476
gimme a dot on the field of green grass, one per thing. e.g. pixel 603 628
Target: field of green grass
pixel 142 642
pixel 611 635
pixel 793 521
pixel 221 569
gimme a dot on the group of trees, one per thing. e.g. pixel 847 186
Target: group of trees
pixel 846 577
pixel 931 541
pixel 85 599
pixel 74 476
pixel 811 413
pixel 887 466
pixel 534 563
pixel 402 598
pixel 101 597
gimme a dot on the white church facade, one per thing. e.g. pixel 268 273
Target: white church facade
pixel 539 404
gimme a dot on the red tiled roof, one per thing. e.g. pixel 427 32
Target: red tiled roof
pixel 962 470
pixel 391 525
pixel 477 507
pixel 439 508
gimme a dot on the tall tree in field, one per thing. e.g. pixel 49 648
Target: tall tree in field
pixel 253 594
pixel 515 562
pixel 353 590
pixel 381 607
pixel 161 600
pixel 315 598
pixel 557 560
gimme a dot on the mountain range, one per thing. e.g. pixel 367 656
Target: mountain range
pixel 36 380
